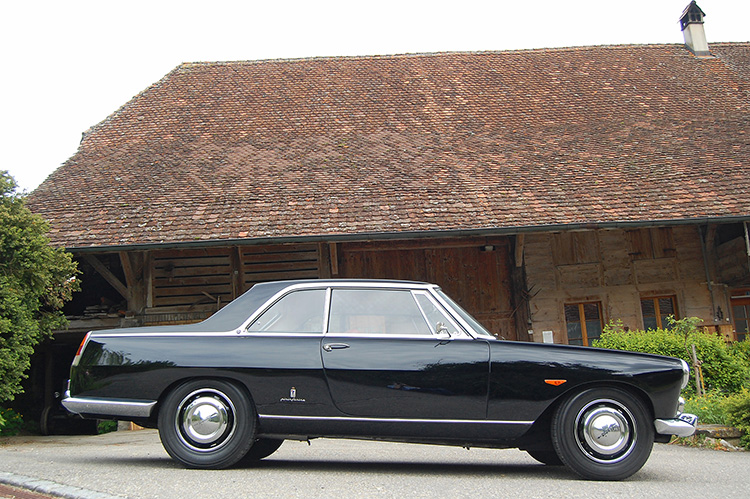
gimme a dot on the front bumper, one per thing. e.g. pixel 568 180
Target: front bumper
pixel 681 426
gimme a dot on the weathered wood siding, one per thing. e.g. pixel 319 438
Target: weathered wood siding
pixel 733 262
pixel 617 268
pixel 476 273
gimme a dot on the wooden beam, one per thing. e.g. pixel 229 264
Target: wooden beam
pixel 108 276
pixel 519 250
pixel 127 268
pixel 334 256
pixel 235 267
pixel 415 244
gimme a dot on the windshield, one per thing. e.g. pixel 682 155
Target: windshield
pixel 479 329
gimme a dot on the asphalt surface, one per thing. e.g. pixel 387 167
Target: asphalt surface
pixel 133 464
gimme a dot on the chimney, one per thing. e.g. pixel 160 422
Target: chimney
pixel 691 23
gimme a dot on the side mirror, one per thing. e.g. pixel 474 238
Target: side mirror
pixel 442 331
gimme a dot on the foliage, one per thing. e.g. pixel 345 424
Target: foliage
pixel 737 408
pixel 709 408
pixel 725 368
pixel 35 281
pixel 10 422
pixel 106 426
pixel 727 410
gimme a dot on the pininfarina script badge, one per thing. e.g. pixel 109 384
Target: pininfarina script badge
pixel 292 396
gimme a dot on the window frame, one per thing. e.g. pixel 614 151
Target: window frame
pixel 741 298
pixel 582 320
pixel 432 335
pixel 657 309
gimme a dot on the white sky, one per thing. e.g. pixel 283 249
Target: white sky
pixel 67 65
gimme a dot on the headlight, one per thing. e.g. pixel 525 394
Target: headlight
pixel 685 374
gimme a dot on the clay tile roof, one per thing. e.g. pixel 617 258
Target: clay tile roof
pixel 413 144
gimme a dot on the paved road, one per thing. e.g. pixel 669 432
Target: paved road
pixel 133 464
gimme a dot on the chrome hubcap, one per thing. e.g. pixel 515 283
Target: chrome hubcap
pixel 604 431
pixel 205 420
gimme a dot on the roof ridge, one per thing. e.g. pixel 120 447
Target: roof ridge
pixel 426 54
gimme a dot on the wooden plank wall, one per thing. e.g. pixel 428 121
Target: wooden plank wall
pixel 733 262
pixel 215 276
pixel 191 277
pixel 278 262
pixel 478 280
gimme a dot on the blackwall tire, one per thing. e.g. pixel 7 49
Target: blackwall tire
pixel 603 433
pixel 208 424
pixel 262 448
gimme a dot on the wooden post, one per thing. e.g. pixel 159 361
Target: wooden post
pixel 696 369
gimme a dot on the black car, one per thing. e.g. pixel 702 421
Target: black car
pixel 385 360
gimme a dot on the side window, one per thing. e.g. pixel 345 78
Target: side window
pixel 375 311
pixel 435 315
pixel 297 312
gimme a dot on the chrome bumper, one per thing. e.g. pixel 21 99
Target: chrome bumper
pixel 114 408
pixel 682 426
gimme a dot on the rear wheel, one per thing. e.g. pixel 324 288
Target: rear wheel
pixel 207 424
pixel 603 433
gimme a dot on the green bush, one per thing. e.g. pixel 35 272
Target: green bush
pixel 709 408
pixel 11 422
pixel 725 368
pixel 727 410
pixel 737 408
pixel 106 426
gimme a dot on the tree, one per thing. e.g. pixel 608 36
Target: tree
pixel 35 282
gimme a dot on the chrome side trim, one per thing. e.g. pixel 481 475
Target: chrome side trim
pixel 674 427
pixel 109 407
pixel 391 420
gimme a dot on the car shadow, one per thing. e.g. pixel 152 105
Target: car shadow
pixel 407 468
pixel 397 467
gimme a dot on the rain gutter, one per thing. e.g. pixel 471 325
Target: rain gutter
pixel 392 236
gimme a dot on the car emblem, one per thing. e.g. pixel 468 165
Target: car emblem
pixel 292 396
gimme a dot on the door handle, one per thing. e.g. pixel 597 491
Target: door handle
pixel 334 346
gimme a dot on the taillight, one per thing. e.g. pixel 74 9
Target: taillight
pixel 80 349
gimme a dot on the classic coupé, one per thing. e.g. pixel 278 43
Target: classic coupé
pixel 384 360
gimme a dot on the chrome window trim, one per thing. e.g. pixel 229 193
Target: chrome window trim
pixel 327 310
pixel 431 337
pixel 413 289
pixel 245 326
pixel 393 420
pixel 164 335
pixel 330 284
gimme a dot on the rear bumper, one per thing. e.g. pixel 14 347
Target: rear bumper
pixel 112 408
pixel 681 426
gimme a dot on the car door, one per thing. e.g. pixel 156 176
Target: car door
pixel 386 356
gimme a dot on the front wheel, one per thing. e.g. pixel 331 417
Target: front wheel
pixel 603 433
pixel 207 424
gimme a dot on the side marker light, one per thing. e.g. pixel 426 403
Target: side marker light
pixel 555 382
